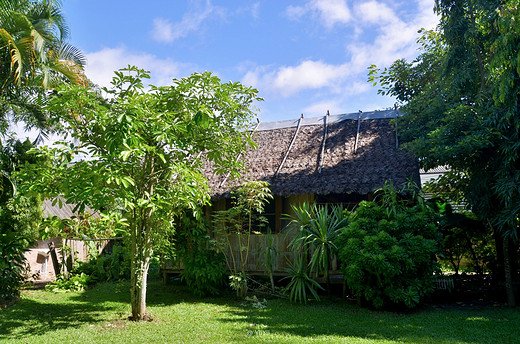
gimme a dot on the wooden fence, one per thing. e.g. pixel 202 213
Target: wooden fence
pixel 256 257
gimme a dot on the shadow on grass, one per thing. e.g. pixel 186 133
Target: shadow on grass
pixel 39 312
pixel 343 321
pixel 30 317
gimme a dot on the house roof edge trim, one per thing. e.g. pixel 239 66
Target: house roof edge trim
pixel 380 114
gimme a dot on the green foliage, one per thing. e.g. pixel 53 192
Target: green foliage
pixel 107 267
pixel 388 250
pixel 248 205
pixel 204 269
pixel 301 286
pixel 466 113
pixel 19 219
pixel 13 266
pixel 467 242
pixel 462 110
pixel 270 254
pixel 75 282
pixel 34 57
pixel 317 230
pixel 147 151
pixel 204 272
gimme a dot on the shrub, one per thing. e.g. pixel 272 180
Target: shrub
pixel 77 282
pixel 204 269
pixel 106 267
pixel 388 251
pixel 204 272
pixel 13 266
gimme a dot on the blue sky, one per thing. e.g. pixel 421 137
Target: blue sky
pixel 303 56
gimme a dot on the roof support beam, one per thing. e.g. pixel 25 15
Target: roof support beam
pixel 322 153
pixel 357 134
pixel 395 123
pixel 290 145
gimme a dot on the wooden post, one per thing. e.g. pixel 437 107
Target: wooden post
pixel 395 121
pixel 54 259
pixel 357 134
pixel 320 164
pixel 290 146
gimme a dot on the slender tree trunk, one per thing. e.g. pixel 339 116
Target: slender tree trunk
pixel 141 253
pixel 510 290
pixel 138 292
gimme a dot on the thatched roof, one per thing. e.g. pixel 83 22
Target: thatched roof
pixel 63 210
pixel 342 161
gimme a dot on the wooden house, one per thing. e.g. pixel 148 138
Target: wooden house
pixel 330 159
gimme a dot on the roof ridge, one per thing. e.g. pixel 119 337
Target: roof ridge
pixel 378 114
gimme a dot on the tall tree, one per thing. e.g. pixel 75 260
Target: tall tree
pixel 147 150
pixel 34 57
pixel 462 99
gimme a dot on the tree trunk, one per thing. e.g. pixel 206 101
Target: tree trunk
pixel 141 252
pixel 138 281
pixel 510 290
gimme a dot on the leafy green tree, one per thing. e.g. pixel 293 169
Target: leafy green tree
pixel 34 57
pixel 146 150
pixel 20 216
pixel 462 99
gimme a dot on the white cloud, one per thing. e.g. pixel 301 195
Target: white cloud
pixel 330 12
pixel 375 12
pixel 255 10
pixel 392 38
pixel 320 108
pixel 166 32
pixel 289 80
pixel 163 30
pixel 102 64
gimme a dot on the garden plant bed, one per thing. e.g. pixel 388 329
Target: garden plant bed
pixel 100 314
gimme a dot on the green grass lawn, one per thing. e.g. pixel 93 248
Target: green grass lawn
pixel 99 316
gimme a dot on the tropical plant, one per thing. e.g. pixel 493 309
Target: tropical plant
pixel 204 269
pixel 76 282
pixel 34 57
pixel 106 267
pixel 249 201
pixel 388 250
pixel 301 285
pixel 20 216
pixel 317 230
pixel 270 254
pixel 147 150
pixel 461 100
pixel 13 265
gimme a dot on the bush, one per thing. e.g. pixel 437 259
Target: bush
pixel 112 266
pixel 204 272
pixel 13 266
pixel 204 268
pixel 388 251
pixel 76 282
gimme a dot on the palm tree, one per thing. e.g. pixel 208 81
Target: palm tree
pixel 34 57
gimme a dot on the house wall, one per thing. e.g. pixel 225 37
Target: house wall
pixel 40 262
pixel 259 242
